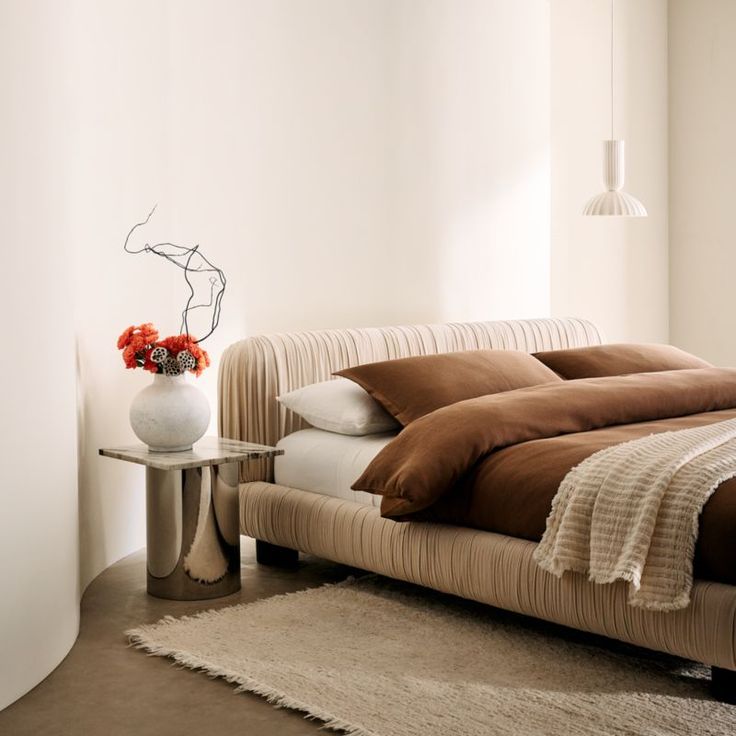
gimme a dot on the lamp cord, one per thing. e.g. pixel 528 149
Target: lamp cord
pixel 612 3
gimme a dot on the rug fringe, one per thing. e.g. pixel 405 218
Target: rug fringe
pixel 139 640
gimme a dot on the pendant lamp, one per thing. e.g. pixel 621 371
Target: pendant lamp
pixel 614 201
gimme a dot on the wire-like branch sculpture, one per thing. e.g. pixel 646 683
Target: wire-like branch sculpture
pixel 191 261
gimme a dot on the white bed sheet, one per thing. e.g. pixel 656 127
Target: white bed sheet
pixel 327 462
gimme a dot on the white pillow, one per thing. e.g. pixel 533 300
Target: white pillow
pixel 341 406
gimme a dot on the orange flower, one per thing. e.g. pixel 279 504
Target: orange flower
pixel 125 337
pixel 148 364
pixel 136 342
pixel 176 343
pixel 203 361
pixel 148 332
pixel 129 357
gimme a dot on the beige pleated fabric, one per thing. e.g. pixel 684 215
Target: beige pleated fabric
pixel 490 568
pixel 253 372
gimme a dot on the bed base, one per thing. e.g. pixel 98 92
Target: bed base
pixel 723 685
pixel 493 569
pixel 275 555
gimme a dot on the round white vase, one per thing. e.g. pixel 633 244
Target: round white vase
pixel 169 415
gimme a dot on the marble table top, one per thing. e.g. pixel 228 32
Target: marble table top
pixel 208 451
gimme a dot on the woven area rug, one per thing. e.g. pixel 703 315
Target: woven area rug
pixel 375 657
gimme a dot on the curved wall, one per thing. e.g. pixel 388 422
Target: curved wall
pixel 39 606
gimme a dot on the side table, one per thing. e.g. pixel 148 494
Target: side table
pixel 192 516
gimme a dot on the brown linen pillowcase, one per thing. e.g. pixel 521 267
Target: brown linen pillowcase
pixel 409 388
pixel 618 360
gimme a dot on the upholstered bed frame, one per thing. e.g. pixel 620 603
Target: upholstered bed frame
pixel 479 565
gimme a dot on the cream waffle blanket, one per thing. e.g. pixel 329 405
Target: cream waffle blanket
pixel 630 512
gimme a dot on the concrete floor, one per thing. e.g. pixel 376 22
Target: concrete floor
pixel 105 688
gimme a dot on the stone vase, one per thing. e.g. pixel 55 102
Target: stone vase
pixel 170 414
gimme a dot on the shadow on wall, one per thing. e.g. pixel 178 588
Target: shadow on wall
pixel 111 495
pixel 88 500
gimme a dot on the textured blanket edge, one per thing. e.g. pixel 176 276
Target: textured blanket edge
pixel 556 558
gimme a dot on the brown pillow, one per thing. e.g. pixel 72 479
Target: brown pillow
pixel 409 388
pixel 618 360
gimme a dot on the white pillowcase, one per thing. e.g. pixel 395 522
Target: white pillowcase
pixel 339 406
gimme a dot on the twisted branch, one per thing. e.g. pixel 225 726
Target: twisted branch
pixel 183 257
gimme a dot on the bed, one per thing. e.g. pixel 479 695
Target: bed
pixel 488 567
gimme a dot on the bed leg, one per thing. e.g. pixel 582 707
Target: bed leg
pixel 723 685
pixel 272 554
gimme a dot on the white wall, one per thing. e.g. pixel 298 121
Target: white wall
pixel 611 270
pixel 702 59
pixel 39 614
pixel 119 101
pixel 345 163
pixel 469 159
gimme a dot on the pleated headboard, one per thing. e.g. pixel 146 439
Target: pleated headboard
pixel 254 371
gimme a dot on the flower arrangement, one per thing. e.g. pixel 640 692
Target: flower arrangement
pixel 175 355
pixel 169 416
pixel 172 356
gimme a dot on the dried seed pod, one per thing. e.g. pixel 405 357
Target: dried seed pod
pixel 186 360
pixel 171 367
pixel 159 355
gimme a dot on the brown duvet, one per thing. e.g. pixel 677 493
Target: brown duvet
pixel 495 462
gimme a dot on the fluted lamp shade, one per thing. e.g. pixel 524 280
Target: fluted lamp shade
pixel 614 201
